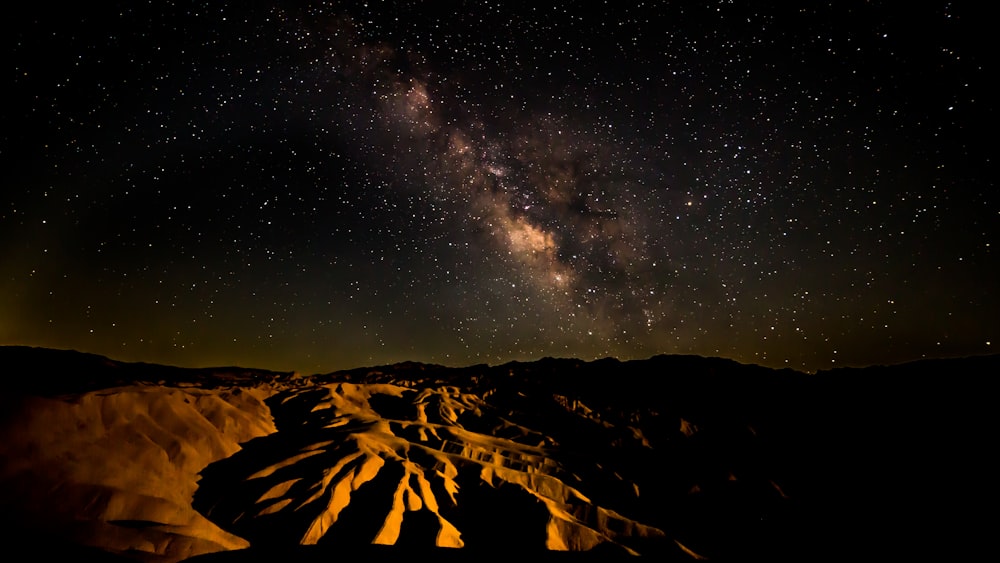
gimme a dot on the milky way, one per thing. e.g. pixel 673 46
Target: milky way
pixel 341 184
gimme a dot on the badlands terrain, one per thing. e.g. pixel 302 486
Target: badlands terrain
pixel 676 457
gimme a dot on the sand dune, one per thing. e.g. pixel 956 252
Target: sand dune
pixel 117 468
pixel 675 457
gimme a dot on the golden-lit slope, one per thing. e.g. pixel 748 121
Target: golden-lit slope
pixel 117 468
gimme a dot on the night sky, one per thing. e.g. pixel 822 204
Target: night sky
pixel 326 186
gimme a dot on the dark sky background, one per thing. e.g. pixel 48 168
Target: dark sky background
pixel 331 185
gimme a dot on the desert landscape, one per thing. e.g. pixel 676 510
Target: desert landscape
pixel 675 457
pixel 504 281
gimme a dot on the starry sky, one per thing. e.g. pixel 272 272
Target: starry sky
pixel 317 186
